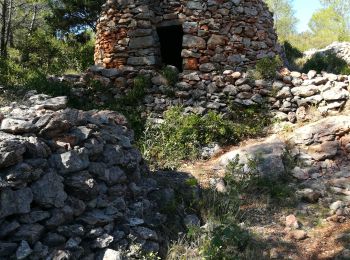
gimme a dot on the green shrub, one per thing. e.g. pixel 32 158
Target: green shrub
pixel 226 242
pixel 10 72
pixel 45 52
pixel 266 68
pixel 248 121
pixel 293 55
pixel 328 62
pixel 170 74
pixel 292 52
pixel 181 137
pixel 135 95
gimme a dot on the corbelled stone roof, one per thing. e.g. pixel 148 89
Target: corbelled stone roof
pixel 217 34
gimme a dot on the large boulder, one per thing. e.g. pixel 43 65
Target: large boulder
pixel 266 156
pixel 323 130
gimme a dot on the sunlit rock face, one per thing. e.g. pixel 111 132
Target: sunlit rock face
pixel 191 35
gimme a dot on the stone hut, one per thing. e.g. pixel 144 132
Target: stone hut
pixel 198 35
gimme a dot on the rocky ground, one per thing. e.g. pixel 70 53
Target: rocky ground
pixel 313 222
pixel 73 185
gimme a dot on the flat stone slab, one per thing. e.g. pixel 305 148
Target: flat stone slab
pixel 323 130
pixel 267 154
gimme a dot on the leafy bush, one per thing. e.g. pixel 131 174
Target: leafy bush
pixel 10 72
pixel 328 62
pixel 181 137
pixel 266 68
pixel 248 121
pixel 227 241
pixel 292 52
pixel 49 54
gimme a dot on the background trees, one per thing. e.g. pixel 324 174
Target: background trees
pixel 284 16
pixel 328 24
pixel 74 15
pixel 46 36
pixel 341 7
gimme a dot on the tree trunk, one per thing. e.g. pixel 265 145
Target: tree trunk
pixel 32 23
pixel 3 50
pixel 9 25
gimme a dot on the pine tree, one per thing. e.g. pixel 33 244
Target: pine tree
pixel 74 15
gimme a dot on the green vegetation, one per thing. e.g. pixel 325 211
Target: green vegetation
pixel 170 74
pixel 328 24
pixel 266 68
pixel 181 137
pixel 42 55
pixel 31 46
pixel 137 93
pixel 327 62
pixel 284 17
pixel 78 14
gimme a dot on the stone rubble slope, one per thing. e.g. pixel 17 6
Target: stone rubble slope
pixel 72 186
pixel 315 156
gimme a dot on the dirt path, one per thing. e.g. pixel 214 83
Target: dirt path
pixel 267 221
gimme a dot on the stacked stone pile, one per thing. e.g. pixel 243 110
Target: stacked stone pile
pixel 217 34
pixel 72 186
pixel 295 93
pixel 289 96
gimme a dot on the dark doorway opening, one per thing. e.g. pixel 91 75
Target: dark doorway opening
pixel 170 38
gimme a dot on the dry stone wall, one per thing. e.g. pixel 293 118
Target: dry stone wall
pixel 289 96
pixel 72 186
pixel 217 34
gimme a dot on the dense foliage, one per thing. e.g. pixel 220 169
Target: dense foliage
pixel 328 24
pixel 284 16
pixel 327 62
pixel 74 15
pixel 181 137
pixel 266 68
pixel 32 44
